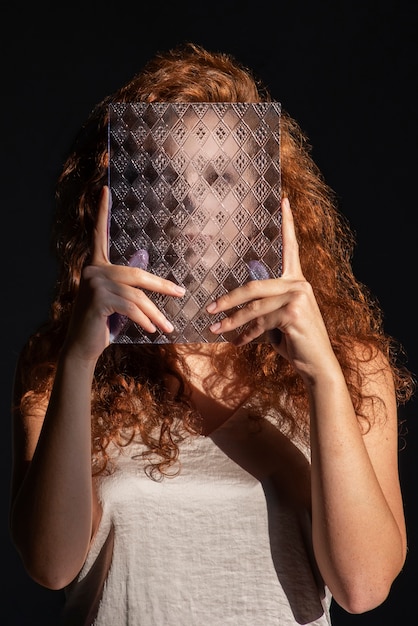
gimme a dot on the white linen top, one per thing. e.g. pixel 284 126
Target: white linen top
pixel 225 542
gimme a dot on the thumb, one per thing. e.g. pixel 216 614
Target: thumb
pixel 101 229
pixel 291 260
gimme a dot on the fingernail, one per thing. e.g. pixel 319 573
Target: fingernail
pixel 211 307
pixel 179 290
pixel 215 327
pixel 257 270
pixel 168 327
pixel 139 259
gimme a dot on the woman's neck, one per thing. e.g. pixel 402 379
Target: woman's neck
pixel 215 393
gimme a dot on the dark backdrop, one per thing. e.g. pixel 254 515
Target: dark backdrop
pixel 345 70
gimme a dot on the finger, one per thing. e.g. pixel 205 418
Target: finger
pixel 257 312
pixel 100 234
pixel 128 299
pixel 250 328
pixel 254 331
pixel 123 289
pixel 136 277
pixel 251 332
pixel 252 292
pixel 139 308
pixel 291 260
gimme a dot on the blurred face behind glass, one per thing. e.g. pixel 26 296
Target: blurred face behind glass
pixel 204 185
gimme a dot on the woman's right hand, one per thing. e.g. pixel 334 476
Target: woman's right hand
pixel 105 289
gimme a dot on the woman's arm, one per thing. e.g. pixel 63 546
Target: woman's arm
pixel 55 511
pixel 357 513
pixel 54 506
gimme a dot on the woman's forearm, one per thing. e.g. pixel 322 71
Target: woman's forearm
pixel 53 510
pixel 357 527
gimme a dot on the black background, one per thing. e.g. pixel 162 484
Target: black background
pixel 345 70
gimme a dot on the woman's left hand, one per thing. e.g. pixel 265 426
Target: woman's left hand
pixel 287 304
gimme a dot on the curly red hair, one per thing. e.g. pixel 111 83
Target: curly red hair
pixel 129 395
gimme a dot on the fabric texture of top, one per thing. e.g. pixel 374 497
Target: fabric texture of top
pixel 227 541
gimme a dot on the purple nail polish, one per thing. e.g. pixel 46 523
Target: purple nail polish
pixel 257 270
pixel 139 259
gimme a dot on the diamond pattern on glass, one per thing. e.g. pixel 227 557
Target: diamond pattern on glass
pixel 196 192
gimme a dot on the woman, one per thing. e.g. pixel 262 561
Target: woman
pixel 243 482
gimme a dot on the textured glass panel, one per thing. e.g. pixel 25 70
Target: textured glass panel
pixel 196 199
